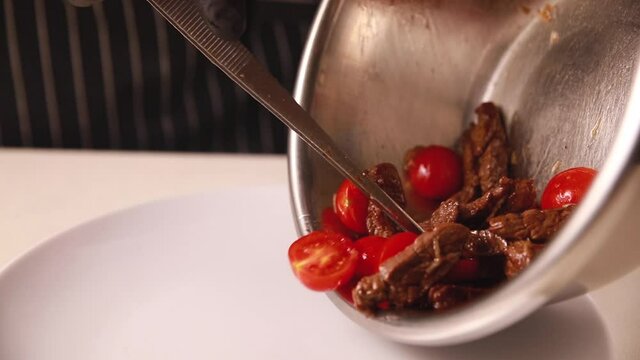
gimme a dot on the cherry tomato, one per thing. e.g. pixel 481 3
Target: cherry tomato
pixel 369 250
pixel 567 187
pixel 350 204
pixel 395 244
pixel 323 260
pixel 346 291
pixel 330 222
pixel 464 270
pixel 435 172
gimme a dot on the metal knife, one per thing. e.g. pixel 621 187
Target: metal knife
pixel 235 60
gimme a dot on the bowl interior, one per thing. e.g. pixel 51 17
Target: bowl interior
pixel 388 75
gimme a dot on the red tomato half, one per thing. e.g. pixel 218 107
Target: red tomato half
pixel 567 187
pixel 395 244
pixel 351 207
pixel 331 222
pixel 323 260
pixel 435 172
pixel 369 250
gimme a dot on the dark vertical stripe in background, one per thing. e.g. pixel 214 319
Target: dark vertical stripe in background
pixel 93 78
pixel 150 71
pixel 9 125
pixel 202 100
pixel 31 71
pixel 122 69
pixel 178 71
pixel 62 73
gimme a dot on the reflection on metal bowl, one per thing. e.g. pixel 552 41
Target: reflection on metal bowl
pixel 381 76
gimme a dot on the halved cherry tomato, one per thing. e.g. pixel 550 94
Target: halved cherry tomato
pixel 351 205
pixel 567 187
pixel 395 244
pixel 330 222
pixel 369 250
pixel 464 270
pixel 435 172
pixel 323 260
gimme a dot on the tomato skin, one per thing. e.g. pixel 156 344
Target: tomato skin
pixel 346 291
pixel 435 172
pixel 395 244
pixel 330 221
pixel 369 251
pixel 323 260
pixel 464 270
pixel 567 187
pixel 350 204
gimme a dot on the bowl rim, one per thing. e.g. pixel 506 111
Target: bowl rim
pixel 518 297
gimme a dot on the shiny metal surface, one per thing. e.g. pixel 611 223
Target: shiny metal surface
pixel 418 68
pixel 235 60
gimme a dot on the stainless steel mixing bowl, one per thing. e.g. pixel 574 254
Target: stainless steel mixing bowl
pixel 381 76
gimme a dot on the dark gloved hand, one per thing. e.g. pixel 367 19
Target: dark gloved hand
pixel 227 17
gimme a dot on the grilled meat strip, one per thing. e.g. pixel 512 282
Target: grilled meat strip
pixel 535 225
pixel 387 177
pixel 405 278
pixel 519 254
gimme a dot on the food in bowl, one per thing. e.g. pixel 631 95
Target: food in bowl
pixel 486 228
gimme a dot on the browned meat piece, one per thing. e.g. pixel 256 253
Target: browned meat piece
pixel 522 198
pixel 483 243
pixel 443 297
pixel 387 177
pixel 369 293
pixel 470 180
pixel 446 213
pixel 519 254
pixel 493 164
pixel 535 225
pixel 404 279
pixel 485 153
pixel 488 204
pixel 488 127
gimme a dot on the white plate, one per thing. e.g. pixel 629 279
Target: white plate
pixel 207 277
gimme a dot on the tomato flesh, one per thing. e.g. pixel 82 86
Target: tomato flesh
pixel 323 260
pixel 369 250
pixel 435 172
pixel 350 204
pixel 395 244
pixel 567 187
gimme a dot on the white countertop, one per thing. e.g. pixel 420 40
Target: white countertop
pixel 46 192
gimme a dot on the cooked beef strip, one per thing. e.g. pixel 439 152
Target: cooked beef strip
pixel 446 213
pixel 519 254
pixel 474 212
pixel 405 278
pixel 387 177
pixel 489 126
pixel 523 197
pixel 483 243
pixel 533 224
pixel 470 175
pixel 485 153
pixel 493 164
pixel 488 204
pixel 444 296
